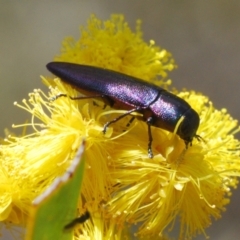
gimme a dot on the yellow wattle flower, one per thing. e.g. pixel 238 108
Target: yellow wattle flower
pixel 122 186
pixel 192 184
pixel 111 44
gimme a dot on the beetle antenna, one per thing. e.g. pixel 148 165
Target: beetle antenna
pixel 199 138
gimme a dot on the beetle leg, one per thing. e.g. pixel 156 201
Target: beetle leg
pixel 130 121
pixel 75 221
pixel 107 100
pixel 76 98
pixel 58 96
pixel 150 139
pixel 120 117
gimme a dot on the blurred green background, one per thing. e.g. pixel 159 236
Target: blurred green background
pixel 203 36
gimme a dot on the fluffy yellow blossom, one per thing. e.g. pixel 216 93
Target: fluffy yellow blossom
pixel 101 228
pixel 122 186
pixel 111 44
pixel 192 184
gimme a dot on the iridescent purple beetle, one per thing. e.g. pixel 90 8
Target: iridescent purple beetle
pixel 158 107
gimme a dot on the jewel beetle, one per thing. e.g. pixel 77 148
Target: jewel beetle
pixel 157 106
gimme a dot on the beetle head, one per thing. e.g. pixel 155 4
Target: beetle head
pixel 188 127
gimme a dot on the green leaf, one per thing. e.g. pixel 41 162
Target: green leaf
pixel 57 206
